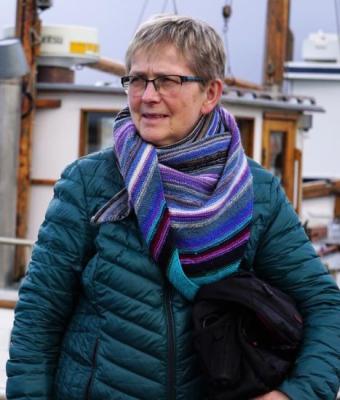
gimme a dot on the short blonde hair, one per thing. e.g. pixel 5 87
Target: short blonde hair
pixel 198 42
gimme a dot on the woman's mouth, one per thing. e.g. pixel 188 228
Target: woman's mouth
pixel 153 116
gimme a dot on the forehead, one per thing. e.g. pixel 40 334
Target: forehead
pixel 164 58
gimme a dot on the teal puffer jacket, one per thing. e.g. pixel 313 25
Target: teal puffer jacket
pixel 96 319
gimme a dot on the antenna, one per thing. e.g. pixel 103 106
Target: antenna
pixel 226 13
pixel 175 6
pixel 337 25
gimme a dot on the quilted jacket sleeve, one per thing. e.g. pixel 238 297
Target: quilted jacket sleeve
pixel 49 291
pixel 287 259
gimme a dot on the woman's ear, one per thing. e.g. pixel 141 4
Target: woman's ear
pixel 213 95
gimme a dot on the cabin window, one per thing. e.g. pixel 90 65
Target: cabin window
pixel 246 126
pixel 279 154
pixel 276 153
pixel 96 130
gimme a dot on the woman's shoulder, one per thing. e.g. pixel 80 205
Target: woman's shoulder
pixel 94 178
pixel 103 161
pixel 259 173
pixel 99 166
pixel 265 184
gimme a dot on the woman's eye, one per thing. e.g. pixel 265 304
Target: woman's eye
pixel 167 80
pixel 136 80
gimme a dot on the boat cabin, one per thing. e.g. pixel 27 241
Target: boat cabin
pixel 72 121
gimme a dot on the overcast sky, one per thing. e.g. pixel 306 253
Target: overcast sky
pixel 116 20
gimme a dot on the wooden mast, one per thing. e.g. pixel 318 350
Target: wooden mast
pixel 279 42
pixel 28 29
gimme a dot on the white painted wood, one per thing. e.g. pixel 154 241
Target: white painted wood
pixel 322 142
pixel 56 138
pixel 56 135
pixel 251 112
pixel 318 211
pixel 55 143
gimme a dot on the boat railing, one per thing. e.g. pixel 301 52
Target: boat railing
pixel 16 241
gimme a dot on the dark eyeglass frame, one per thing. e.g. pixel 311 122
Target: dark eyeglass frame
pixel 125 80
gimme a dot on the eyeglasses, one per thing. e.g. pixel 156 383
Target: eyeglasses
pixel 165 85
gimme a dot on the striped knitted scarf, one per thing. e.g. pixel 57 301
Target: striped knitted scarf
pixel 193 200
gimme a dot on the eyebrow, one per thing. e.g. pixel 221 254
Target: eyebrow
pixel 157 74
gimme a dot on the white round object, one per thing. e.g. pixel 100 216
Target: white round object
pixel 66 45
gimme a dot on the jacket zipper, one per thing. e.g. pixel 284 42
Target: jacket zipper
pixel 171 342
pixel 92 373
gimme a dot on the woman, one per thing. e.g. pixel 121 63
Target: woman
pixel 105 309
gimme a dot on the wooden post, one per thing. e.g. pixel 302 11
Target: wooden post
pixel 278 42
pixel 28 31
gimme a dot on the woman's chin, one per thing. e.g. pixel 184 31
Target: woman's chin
pixel 157 136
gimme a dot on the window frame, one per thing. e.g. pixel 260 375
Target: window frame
pixel 292 158
pixel 83 135
pixel 247 130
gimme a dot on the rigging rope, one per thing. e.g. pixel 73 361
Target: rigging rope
pixel 165 3
pixel 141 15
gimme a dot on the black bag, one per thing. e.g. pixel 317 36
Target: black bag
pixel 247 334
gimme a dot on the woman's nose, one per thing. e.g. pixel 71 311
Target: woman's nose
pixel 150 93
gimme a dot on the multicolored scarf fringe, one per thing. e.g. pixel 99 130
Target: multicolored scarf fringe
pixel 193 200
